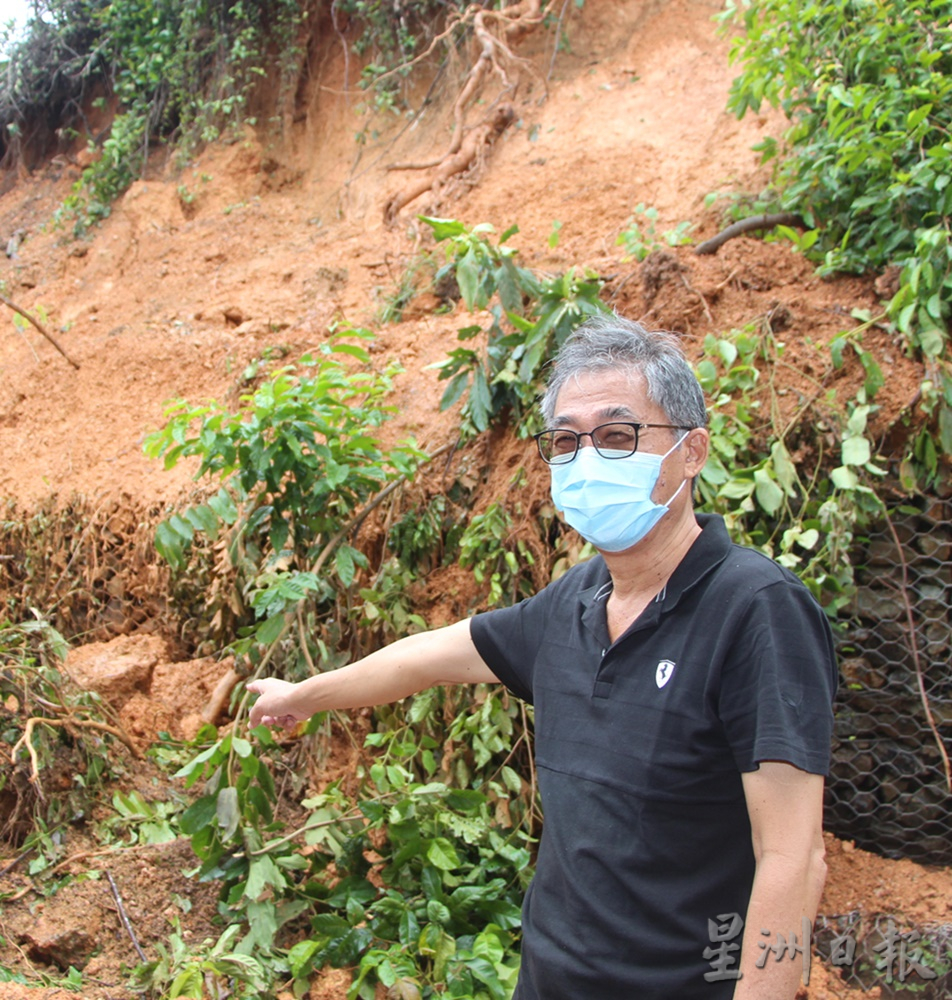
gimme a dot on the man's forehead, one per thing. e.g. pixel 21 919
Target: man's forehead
pixel 604 396
pixel 618 411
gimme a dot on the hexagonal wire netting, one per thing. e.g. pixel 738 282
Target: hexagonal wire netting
pixel 889 784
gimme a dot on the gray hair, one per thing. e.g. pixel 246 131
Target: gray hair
pixel 605 343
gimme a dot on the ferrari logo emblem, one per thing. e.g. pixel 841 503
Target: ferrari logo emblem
pixel 663 673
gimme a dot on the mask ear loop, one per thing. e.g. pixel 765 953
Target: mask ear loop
pixel 677 444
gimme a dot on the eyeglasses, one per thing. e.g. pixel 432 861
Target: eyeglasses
pixel 615 440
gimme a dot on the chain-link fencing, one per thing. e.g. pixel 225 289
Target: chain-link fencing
pixel 889 787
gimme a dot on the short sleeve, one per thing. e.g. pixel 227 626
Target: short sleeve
pixel 777 687
pixel 507 640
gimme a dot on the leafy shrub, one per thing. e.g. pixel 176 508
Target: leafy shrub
pixel 530 316
pixel 293 465
pixel 802 513
pixel 867 160
pixel 179 72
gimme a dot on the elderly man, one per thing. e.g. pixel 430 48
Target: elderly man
pixel 682 688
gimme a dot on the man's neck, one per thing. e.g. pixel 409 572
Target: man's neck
pixel 641 571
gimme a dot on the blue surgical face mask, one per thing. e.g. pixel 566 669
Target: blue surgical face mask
pixel 608 500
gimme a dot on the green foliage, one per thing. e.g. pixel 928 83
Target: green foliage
pixel 867 161
pixel 179 72
pixel 483 547
pixel 293 465
pixel 453 878
pixel 802 516
pixel 442 907
pixel 529 316
pixel 641 237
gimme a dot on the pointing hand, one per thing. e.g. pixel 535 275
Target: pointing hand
pixel 275 705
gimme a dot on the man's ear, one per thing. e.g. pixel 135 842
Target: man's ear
pixel 696 446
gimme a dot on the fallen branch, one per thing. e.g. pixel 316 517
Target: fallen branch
pixel 914 649
pixel 124 918
pixel 26 739
pixel 49 336
pixel 20 857
pixel 748 225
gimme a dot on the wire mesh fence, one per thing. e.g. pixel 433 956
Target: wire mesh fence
pixel 889 787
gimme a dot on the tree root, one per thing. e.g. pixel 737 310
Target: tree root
pixel 746 226
pixel 473 147
pixel 494 31
pixel 67 722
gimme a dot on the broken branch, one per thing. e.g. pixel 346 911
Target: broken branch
pixel 40 327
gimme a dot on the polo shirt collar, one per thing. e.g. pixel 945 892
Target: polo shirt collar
pixel 709 550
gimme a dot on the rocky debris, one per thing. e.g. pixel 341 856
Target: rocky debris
pixel 135 675
pixel 63 944
pixel 116 669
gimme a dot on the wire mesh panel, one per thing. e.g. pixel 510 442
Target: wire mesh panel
pixel 888 789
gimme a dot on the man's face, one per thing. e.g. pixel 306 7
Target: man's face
pixel 595 398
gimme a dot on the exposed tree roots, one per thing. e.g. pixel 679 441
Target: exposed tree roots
pixel 494 32
pixel 747 226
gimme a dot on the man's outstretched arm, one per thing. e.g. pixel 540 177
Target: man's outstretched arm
pixel 443 656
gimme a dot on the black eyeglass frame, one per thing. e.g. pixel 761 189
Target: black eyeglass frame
pixel 637 428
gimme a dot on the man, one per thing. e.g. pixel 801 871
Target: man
pixel 682 689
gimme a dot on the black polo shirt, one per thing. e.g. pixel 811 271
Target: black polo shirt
pixel 639 749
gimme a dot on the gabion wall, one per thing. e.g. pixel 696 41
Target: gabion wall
pixel 887 790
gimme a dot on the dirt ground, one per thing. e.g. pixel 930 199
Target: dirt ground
pixel 258 247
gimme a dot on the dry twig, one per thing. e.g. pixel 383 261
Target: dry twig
pixel 124 917
pixel 40 327
pixel 66 721
pixel 914 649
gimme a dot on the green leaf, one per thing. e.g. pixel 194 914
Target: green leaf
pixel 190 982
pixel 856 451
pixel 198 815
pixel 227 812
pixel 767 493
pixel 169 545
pixel 844 478
pixel 808 539
pixel 300 955
pixel 945 429
pixel 454 390
pixel 344 560
pixel 783 467
pixel 437 912
pixel 353 350
pixel 442 854
pixel 467 277
pixel 223 506
pixel 443 228
pixel 263 874
pixel 270 630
